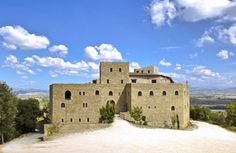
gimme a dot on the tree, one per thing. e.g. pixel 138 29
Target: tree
pixel 107 113
pixel 7 112
pixel 136 113
pixel 231 114
pixel 199 113
pixel 27 112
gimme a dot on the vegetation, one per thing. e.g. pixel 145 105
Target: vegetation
pixel 17 116
pixel 137 114
pixel 7 112
pixel 52 130
pixel 227 120
pixel 27 113
pixel 107 113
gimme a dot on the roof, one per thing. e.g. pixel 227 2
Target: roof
pixel 145 75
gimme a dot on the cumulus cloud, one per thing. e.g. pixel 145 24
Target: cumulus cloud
pixel 164 62
pixel 224 54
pixel 204 40
pixel 17 37
pixel 164 11
pixel 104 52
pixel 58 66
pixel 59 49
pixel 12 62
pixel 228 34
pixel 133 65
pixel 203 73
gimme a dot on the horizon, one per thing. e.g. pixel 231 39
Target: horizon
pixel 42 43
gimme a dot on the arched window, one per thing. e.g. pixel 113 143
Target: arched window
pixel 120 70
pixel 68 95
pixel 164 93
pixel 110 93
pixel 151 93
pixel 96 92
pixel 63 105
pixel 172 108
pixel 139 93
pixel 176 93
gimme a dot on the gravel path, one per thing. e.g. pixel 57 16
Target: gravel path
pixel 122 137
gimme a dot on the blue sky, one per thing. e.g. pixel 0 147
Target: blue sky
pixel 44 42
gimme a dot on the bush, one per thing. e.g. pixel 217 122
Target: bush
pixel 107 113
pixel 231 114
pixel 217 118
pixel 199 113
pixel 136 113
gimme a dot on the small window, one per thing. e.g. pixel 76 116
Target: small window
pixel 164 93
pixel 71 120
pixel 154 81
pixel 86 104
pixel 83 105
pixel 83 93
pixel 172 108
pixel 151 93
pixel 87 119
pixel 79 119
pixel 149 107
pixel 110 93
pixel 120 70
pixel 176 93
pixel 96 92
pixel 110 69
pixel 79 93
pixel 133 80
pixel 107 81
pixel 139 93
pixel 137 71
pixel 68 95
pixel 148 71
pixel 62 120
pixel 63 105
pixel 121 81
pixel 142 71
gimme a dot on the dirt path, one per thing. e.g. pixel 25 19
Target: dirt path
pixel 122 137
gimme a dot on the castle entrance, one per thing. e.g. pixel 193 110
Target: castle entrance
pixel 112 102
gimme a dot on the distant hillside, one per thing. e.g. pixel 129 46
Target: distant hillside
pixel 31 92
pixel 216 92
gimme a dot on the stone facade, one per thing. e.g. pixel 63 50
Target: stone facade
pixel 159 97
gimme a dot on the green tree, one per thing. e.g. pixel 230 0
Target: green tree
pixel 136 113
pixel 107 113
pixel 199 113
pixel 231 114
pixel 7 112
pixel 27 113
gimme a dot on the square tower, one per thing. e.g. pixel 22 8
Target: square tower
pixel 114 72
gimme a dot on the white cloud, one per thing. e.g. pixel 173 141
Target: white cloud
pixel 176 76
pixel 193 55
pixel 204 40
pixel 133 65
pixel 59 49
pixel 203 73
pixel 228 34
pixel 224 54
pixel 178 66
pixel 162 12
pixel 104 52
pixel 18 37
pixel 12 62
pixel 163 62
pixel 58 66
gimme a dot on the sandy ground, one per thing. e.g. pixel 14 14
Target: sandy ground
pixel 122 137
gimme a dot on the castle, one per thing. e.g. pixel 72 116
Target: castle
pixel 159 96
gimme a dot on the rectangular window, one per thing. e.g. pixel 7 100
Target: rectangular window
pixel 148 71
pixel 120 70
pixel 87 119
pixel 110 69
pixel 86 104
pixel 83 93
pixel 154 81
pixel 83 105
pixel 133 80
pixel 121 81
pixel 79 119
pixel 107 81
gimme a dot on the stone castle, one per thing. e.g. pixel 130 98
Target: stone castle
pixel 159 96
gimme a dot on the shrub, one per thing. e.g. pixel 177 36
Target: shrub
pixel 231 114
pixel 199 113
pixel 217 118
pixel 136 113
pixel 107 113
